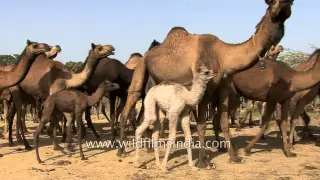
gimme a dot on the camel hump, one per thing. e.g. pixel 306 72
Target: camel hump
pixel 307 65
pixel 136 54
pixel 178 31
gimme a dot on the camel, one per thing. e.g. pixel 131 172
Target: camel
pixel 67 102
pixel 303 98
pixel 15 75
pixel 18 73
pixel 48 77
pixel 114 71
pixel 276 83
pixel 272 55
pixel 175 100
pixel 181 53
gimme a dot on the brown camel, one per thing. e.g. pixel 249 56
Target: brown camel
pixel 272 55
pixel 47 77
pixel 276 83
pixel 181 53
pixel 18 73
pixel 114 71
pixel 27 57
pixel 67 102
pixel 303 98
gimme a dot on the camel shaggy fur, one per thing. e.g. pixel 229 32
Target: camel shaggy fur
pixel 175 100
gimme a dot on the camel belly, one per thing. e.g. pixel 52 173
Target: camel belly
pixel 172 73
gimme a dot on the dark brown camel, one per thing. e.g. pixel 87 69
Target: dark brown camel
pixel 277 83
pixel 27 57
pixel 47 77
pixel 67 102
pixel 272 55
pixel 181 53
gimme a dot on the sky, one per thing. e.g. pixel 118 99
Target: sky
pixel 130 26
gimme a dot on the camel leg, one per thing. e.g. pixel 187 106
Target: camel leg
pixel 223 111
pixel 78 118
pixel 266 114
pixel 285 107
pixel 185 123
pixel 44 120
pixel 173 121
pixel 5 115
pixel 112 105
pixel 103 111
pixel 11 114
pixel 89 123
pixel 140 130
pixel 18 103
pixel 54 122
pixel 69 134
pixel 23 118
pixel 155 138
pixel 294 119
pixel 202 161
pixel 306 119
pixel 137 86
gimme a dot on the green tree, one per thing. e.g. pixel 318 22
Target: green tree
pixel 73 66
pixel 8 60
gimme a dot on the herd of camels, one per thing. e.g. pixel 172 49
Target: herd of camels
pixel 247 69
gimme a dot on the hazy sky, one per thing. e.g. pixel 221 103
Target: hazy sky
pixel 130 26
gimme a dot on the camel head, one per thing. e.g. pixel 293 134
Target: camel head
pixel 109 86
pixel 274 52
pixel 54 52
pixel 35 48
pixel 102 51
pixel 280 10
pixel 205 74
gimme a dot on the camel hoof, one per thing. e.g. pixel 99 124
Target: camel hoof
pixel 204 164
pixel 193 168
pixel 84 158
pixel 247 152
pixel 290 154
pixel 57 148
pixel 318 143
pixel 19 140
pixel 122 154
pixel 150 150
pixel 11 144
pixel 236 160
pixel 40 162
pixel 28 148
pixel 222 149
pixel 165 170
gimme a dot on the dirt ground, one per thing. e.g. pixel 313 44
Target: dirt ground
pixel 266 162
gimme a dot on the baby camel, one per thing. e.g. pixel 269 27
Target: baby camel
pixel 176 101
pixel 67 102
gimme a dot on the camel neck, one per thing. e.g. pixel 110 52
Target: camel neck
pixel 97 95
pixel 18 73
pixel 194 96
pixel 237 57
pixel 79 79
pixel 303 80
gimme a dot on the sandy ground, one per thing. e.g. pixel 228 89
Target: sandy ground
pixel 267 161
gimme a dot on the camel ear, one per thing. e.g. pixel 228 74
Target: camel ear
pixel 93 45
pixel 269 2
pixel 28 42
